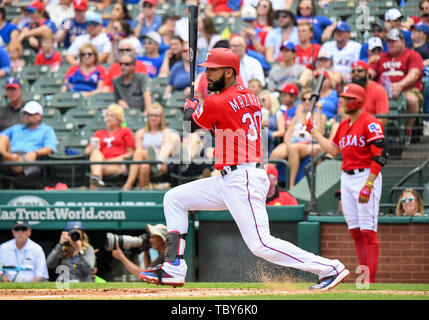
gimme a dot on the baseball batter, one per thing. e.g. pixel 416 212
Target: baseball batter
pixel 360 140
pixel 234 115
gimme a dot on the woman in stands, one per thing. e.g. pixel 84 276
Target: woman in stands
pixel 298 143
pixel 154 142
pixel 410 203
pixel 306 11
pixel 87 76
pixel 115 143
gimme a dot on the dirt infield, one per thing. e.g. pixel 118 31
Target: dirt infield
pixel 166 293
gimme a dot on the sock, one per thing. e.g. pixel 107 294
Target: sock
pixel 359 245
pixel 372 251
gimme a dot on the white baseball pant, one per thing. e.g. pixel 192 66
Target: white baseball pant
pixel 360 215
pixel 243 192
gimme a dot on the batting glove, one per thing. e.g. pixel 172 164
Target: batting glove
pixel 365 193
pixel 310 126
pixel 191 104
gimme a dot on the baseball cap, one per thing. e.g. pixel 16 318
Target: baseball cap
pixel 92 16
pixel 379 23
pixel 33 107
pixel 395 35
pixel 80 5
pixel 325 73
pixel 271 170
pixel 342 26
pixel 22 224
pixel 74 225
pixel 153 35
pixel 12 83
pixel 36 5
pixel 248 13
pixel 392 14
pixel 360 63
pixel 374 42
pixel 290 88
pixel 421 27
pixel 152 2
pixel 323 53
pixel 157 230
pixel 288 45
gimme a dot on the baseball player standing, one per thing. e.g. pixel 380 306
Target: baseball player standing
pixel 234 115
pixel 360 139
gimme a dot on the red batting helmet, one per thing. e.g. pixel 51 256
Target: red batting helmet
pixel 222 57
pixel 353 91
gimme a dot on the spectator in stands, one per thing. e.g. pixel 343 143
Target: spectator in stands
pixel 424 14
pixel 73 27
pixel 410 203
pixel 272 118
pixel 306 51
pixel 11 113
pixel 22 251
pixel 73 252
pixel 29 141
pixel 265 16
pixel 166 31
pixel 253 35
pixel 324 63
pixel 275 196
pixel 379 30
pixel 4 63
pixel 115 143
pixel 125 46
pixel 154 142
pixel 306 11
pixel 375 48
pixel 223 8
pixel 61 10
pixel 172 55
pixel 119 12
pixel 157 236
pixel 121 30
pixel 152 58
pixel 377 101
pixel 132 90
pixel 255 86
pixel 21 20
pixel 48 55
pixel 295 146
pixel 287 70
pixel 285 32
pixel 344 51
pixel 207 36
pixel 400 71
pixel 88 76
pixel 393 19
pixel 182 25
pixel 328 96
pixel 288 96
pixel 420 37
pixel 14 49
pixel 95 36
pixel 8 31
pixel 250 68
pixel 147 20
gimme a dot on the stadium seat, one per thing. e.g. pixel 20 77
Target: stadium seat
pixel 411 8
pixel 99 101
pixel 177 100
pixel 47 85
pixel 341 10
pixel 30 72
pixel 11 12
pixel 65 101
pixel 378 8
pixel 395 128
pixel 158 87
pixel 89 129
pixel 81 116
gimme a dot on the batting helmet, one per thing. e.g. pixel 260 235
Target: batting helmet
pixel 222 57
pixel 353 91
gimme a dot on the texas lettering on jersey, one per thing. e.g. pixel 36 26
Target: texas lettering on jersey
pixel 235 117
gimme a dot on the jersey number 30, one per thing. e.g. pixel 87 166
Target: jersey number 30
pixel 254 124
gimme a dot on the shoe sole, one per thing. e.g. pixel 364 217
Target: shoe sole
pixel 154 280
pixel 340 278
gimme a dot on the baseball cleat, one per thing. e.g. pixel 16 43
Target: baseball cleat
pixel 160 277
pixel 331 281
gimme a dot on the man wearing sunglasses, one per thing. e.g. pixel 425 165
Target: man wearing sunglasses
pixel 22 252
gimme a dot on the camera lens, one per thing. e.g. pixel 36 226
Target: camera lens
pixel 74 235
pixel 124 241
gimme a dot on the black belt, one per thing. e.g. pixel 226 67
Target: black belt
pixel 352 172
pixel 224 172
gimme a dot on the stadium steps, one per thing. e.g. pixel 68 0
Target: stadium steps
pixel 414 154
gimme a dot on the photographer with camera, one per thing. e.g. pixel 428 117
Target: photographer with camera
pixel 73 251
pixel 154 238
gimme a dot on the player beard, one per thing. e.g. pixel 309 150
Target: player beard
pixel 218 85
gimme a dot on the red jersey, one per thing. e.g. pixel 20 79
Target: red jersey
pixel 376 101
pixel 307 56
pixel 235 117
pixel 397 67
pixel 116 143
pixel 115 71
pixel 353 141
pixel 53 61
pixel 283 199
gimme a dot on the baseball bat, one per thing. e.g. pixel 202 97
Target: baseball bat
pixel 314 97
pixel 193 36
